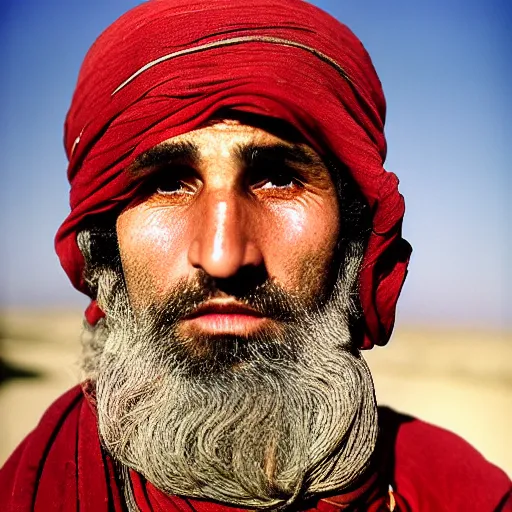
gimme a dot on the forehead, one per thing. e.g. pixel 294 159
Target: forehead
pixel 231 139
pixel 221 137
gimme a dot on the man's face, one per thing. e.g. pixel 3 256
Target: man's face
pixel 238 205
pixel 225 367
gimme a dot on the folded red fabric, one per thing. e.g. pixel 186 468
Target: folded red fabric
pixel 166 66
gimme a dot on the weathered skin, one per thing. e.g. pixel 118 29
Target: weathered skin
pixel 220 216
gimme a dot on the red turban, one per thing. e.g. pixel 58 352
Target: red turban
pixel 166 66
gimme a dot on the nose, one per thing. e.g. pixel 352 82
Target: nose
pixel 223 242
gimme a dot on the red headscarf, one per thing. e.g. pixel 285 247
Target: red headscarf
pixel 167 66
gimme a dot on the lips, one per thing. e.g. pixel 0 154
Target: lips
pixel 224 317
pixel 223 308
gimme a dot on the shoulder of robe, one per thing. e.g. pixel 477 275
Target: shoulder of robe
pixel 435 469
pixel 21 474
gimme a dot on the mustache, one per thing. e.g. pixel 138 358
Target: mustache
pixel 268 299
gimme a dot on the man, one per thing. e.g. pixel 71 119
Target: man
pixel 232 222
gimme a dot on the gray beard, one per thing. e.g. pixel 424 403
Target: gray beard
pixel 285 424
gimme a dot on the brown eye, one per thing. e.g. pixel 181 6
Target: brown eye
pixel 174 181
pixel 275 180
pixel 173 186
pixel 279 181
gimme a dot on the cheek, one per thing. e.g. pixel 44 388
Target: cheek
pixel 301 240
pixel 151 247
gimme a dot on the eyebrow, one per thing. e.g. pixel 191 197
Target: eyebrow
pixel 168 154
pixel 250 155
pixel 254 155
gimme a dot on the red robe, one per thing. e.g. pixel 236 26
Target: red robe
pixel 61 467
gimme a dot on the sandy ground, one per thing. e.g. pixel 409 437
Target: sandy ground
pixel 459 380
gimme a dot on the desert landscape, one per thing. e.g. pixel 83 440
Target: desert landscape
pixel 459 380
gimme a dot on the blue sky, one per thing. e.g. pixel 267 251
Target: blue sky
pixel 445 68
